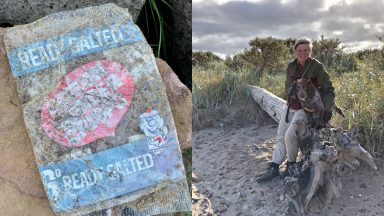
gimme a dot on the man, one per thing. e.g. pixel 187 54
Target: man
pixel 303 66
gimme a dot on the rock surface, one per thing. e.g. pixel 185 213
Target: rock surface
pixel 181 42
pixel 20 184
pixel 23 12
pixel 180 99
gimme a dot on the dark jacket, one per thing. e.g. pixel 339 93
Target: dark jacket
pixel 314 70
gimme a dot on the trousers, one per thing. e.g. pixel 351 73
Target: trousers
pixel 286 139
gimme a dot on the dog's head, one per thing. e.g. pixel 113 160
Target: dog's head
pixel 304 89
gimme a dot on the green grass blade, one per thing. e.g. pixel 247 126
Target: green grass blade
pixel 152 3
pixel 166 3
pixel 146 20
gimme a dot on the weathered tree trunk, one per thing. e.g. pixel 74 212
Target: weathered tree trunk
pixel 325 154
pixel 269 102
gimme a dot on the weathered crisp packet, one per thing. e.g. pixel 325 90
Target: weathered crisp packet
pixel 97 113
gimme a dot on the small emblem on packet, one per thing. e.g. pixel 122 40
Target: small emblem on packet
pixel 154 129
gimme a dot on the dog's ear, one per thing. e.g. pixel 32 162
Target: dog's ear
pixel 310 88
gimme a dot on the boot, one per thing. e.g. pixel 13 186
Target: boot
pixel 272 172
pixel 286 171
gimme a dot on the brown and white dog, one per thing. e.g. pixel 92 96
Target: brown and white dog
pixel 306 92
pixel 309 97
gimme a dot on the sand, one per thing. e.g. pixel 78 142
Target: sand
pixel 226 163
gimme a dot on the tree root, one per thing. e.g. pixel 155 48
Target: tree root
pixel 327 153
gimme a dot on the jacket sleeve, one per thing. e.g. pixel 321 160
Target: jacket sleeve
pixel 326 89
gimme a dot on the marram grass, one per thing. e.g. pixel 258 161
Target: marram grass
pixel 359 93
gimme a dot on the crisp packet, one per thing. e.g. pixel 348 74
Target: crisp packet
pixel 97 113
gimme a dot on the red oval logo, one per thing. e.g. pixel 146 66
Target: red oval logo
pixel 88 103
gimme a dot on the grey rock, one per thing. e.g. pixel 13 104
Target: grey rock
pixel 23 11
pixel 181 43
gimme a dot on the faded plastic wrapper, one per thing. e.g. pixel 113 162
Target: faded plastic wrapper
pixel 97 113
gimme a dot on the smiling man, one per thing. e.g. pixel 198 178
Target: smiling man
pixel 303 66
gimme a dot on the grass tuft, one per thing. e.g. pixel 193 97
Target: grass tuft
pixel 359 92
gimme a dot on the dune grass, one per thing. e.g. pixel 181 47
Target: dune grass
pixel 217 85
pixel 359 93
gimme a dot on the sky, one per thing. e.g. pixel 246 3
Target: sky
pixel 225 27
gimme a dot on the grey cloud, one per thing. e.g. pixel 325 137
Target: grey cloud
pixel 220 45
pixel 292 20
pixel 370 10
pixel 244 15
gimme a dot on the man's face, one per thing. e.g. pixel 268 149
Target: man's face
pixel 302 52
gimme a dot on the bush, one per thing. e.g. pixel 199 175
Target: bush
pixel 204 58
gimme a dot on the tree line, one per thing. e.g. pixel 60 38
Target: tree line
pixel 271 55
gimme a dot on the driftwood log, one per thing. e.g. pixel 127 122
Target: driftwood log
pixel 325 155
pixel 269 102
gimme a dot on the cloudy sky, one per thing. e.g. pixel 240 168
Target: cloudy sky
pixel 225 27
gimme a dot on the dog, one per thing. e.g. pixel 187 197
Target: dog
pixel 306 92
pixel 310 100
